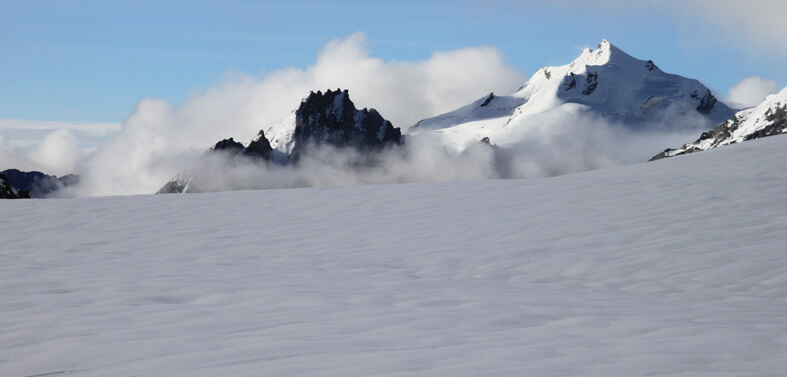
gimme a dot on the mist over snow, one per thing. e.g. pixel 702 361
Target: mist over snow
pixel 158 139
pixel 569 139
pixel 421 160
pixel 565 140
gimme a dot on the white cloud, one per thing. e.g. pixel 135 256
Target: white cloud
pixel 58 154
pixel 564 140
pixel 751 91
pixel 96 129
pixel 49 146
pixel 159 140
pixel 760 21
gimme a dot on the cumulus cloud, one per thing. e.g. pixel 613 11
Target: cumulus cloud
pixel 51 147
pixel 58 153
pixel 751 91
pixel 158 139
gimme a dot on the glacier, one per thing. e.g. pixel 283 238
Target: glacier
pixel 671 268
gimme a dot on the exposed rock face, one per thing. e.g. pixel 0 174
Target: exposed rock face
pixel 321 119
pixel 7 191
pixel 707 102
pixel 38 184
pixel 259 148
pixel 332 119
pixel 227 145
pixel 766 119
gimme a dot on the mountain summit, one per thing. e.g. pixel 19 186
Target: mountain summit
pixel 606 82
pixel 330 118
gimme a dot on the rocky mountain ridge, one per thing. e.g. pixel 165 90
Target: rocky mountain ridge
pixel 322 119
pixel 7 191
pixel 769 118
pixel 38 184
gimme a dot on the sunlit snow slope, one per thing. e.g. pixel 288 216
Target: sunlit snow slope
pixel 603 84
pixel 671 268
pixel 769 118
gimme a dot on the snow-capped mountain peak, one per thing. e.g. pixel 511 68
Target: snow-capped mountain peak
pixel 606 82
pixel 602 55
pixel 617 85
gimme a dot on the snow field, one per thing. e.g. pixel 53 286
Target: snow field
pixel 671 268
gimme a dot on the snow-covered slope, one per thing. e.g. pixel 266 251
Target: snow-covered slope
pixel 766 119
pixel 671 268
pixel 606 83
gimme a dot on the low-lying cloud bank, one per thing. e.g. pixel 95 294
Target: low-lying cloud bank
pixel 159 140
pixel 565 140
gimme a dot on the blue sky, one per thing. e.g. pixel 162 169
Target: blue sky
pixel 91 61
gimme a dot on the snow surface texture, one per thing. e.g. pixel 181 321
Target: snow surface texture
pixel 605 83
pixel 670 268
pixel 766 119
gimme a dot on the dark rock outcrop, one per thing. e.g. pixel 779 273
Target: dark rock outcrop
pixel 591 83
pixel 766 119
pixel 228 146
pixel 259 148
pixel 38 184
pixel 332 119
pixel 7 191
pixel 707 102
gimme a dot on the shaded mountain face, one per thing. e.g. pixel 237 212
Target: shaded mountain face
pixel 769 118
pixel 322 119
pixel 38 184
pixel 7 191
pixel 330 118
pixel 606 83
